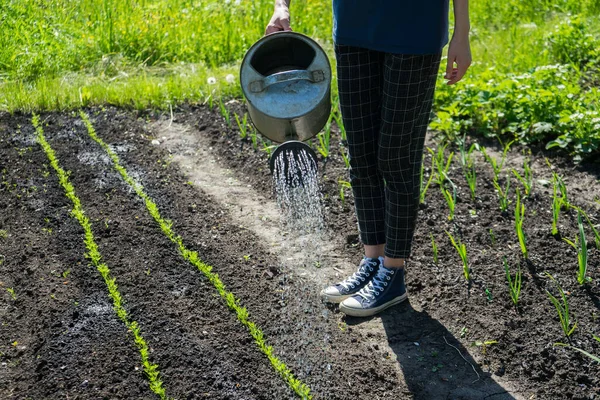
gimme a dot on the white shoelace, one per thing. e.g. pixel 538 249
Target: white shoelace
pixel 359 276
pixel 377 284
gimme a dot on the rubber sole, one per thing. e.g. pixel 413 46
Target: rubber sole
pixel 333 299
pixel 361 312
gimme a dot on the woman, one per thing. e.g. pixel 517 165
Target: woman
pixel 388 54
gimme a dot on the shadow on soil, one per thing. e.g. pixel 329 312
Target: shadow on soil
pixel 428 355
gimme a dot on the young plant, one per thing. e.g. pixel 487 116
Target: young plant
pixel 343 186
pixel 556 206
pixel 527 178
pixel 434 247
pixel 254 139
pixel 471 177
pixel 580 245
pixel 340 123
pixel 224 112
pixel 441 164
pixel 562 308
pixel 592 227
pixel 492 237
pixel 424 189
pixel 462 252
pixel 324 140
pixel 585 353
pixel 451 200
pixel 242 125
pixel 13 295
pixel 502 194
pixel 563 192
pixel 345 157
pixel 519 217
pixel 514 284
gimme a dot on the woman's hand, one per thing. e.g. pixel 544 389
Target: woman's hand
pixel 280 21
pixel 459 53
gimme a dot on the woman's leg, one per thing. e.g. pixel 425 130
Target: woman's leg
pixel 360 80
pixel 409 85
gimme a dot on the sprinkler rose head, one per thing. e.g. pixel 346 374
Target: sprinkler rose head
pixel 293 159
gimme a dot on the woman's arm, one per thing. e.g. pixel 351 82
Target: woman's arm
pixel 459 51
pixel 280 21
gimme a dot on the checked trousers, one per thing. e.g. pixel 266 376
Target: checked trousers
pixel 386 101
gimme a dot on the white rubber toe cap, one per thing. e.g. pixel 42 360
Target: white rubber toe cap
pixel 332 295
pixel 351 303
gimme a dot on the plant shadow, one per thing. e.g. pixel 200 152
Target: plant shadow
pixel 434 363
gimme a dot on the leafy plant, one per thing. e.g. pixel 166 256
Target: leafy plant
pixel 484 345
pixel 434 248
pixel 580 246
pixel 502 194
pixel 514 284
pixel 519 217
pixel 461 249
pixel 562 309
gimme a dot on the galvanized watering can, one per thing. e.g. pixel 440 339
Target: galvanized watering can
pixel 286 79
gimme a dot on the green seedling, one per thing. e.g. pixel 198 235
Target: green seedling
pixel 563 193
pixel 323 147
pixel 345 157
pixel 502 194
pixel 471 177
pixel 451 200
pixel 441 164
pixel 254 138
pixel 585 353
pixel 462 252
pixel 556 206
pixel 343 186
pixel 580 246
pixel 340 123
pixel 12 293
pixel 431 175
pixel 492 237
pixel 242 125
pixel 592 226
pixel 484 345
pixel 514 284
pixel 66 273
pixel 526 180
pixel 224 112
pixel 562 309
pixel 434 248
pixel 519 217
pixel 246 257
pixel 3 234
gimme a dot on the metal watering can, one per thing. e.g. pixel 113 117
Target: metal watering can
pixel 286 79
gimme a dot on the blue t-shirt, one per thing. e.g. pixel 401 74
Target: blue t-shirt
pixel 392 26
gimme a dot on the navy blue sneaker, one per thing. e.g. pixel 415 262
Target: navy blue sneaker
pixel 385 290
pixel 354 283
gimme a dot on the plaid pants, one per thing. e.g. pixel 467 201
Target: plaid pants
pixel 386 100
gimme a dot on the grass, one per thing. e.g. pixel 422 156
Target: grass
pixel 562 309
pixel 301 389
pixel 585 353
pixel 93 254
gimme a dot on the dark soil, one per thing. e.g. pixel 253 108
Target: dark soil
pixel 72 344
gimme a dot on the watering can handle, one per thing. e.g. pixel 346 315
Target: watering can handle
pixel 286 76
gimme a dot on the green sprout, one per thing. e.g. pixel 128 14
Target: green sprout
pixel 580 246
pixel 527 178
pixel 462 252
pixel 502 194
pixel 224 112
pixel 593 357
pixel 451 200
pixel 431 175
pixel 556 205
pixel 442 165
pixel 519 217
pixel 434 247
pixel 471 177
pixel 12 293
pixel 562 309
pixel 514 284
pixel 592 227
pixel 324 137
pixel 343 186
pixel 242 125
pixel 492 237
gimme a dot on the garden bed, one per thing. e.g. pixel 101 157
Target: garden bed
pixel 422 349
